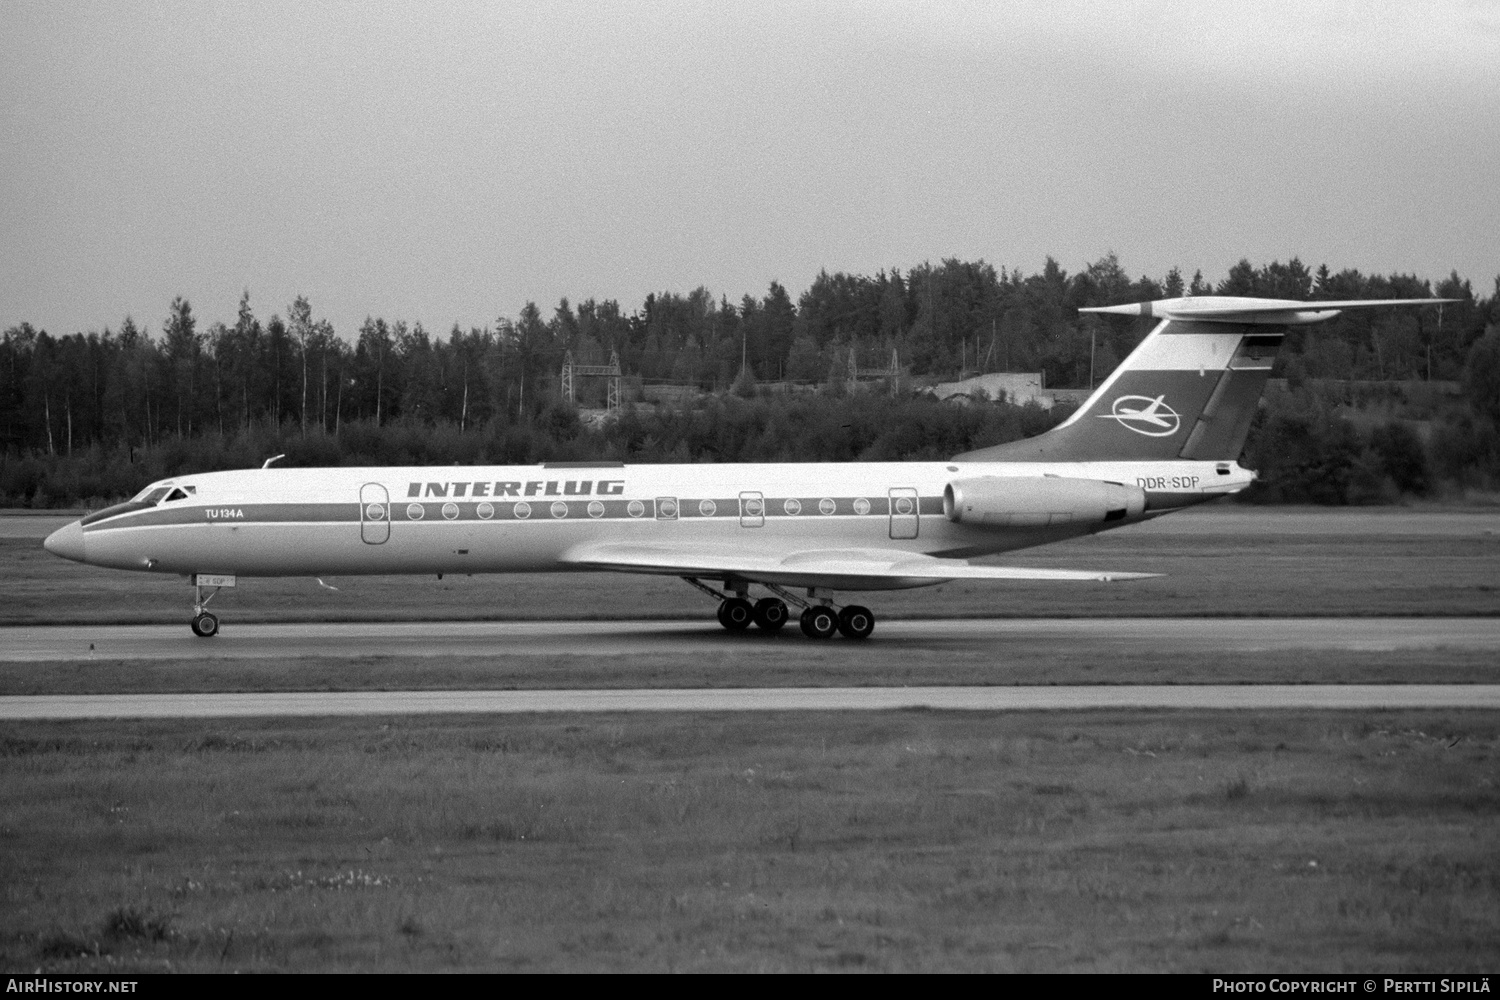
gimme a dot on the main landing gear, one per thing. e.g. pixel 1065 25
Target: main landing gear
pixel 818 620
pixel 738 614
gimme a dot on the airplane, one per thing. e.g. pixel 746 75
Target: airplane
pixel 1163 432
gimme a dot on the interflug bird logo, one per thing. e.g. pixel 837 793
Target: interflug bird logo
pixel 1144 415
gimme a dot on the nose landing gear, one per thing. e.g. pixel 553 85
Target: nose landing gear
pixel 205 623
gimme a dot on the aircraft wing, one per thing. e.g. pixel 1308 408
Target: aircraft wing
pixel 837 569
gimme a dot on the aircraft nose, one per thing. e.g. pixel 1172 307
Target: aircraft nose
pixel 66 541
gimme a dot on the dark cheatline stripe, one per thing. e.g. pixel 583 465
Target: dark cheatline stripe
pixel 129 507
pixel 536 509
pixel 249 513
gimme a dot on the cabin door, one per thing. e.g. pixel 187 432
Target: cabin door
pixel 904 510
pixel 374 514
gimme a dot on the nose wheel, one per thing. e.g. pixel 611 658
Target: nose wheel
pixel 205 624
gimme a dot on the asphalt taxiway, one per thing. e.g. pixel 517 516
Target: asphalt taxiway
pixel 1242 697
pixel 1083 636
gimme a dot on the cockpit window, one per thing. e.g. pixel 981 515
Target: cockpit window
pixel 176 494
pixel 152 496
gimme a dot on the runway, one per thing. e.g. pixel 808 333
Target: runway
pixel 1240 697
pixel 1101 636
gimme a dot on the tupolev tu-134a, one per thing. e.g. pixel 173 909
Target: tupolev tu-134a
pixel 1163 432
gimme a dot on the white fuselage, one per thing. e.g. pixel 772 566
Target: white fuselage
pixel 496 519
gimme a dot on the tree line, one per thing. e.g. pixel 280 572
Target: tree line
pixel 94 415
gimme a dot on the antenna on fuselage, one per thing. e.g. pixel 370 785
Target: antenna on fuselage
pixel 273 458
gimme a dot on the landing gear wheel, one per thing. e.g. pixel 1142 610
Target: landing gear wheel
pixel 856 622
pixel 819 622
pixel 736 614
pixel 205 625
pixel 770 614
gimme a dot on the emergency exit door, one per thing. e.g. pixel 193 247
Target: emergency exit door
pixel 905 508
pixel 752 510
pixel 374 514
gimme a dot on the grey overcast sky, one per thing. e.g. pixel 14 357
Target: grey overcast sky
pixel 447 162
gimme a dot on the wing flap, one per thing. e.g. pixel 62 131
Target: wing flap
pixel 839 569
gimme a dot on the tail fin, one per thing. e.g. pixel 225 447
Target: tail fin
pixel 1188 391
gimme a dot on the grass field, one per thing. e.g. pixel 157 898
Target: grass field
pixel 897 841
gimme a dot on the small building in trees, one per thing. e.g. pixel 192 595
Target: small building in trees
pixel 1019 388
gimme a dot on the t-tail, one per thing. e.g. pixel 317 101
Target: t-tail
pixel 1188 391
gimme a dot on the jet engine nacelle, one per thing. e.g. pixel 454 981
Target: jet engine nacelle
pixel 1026 501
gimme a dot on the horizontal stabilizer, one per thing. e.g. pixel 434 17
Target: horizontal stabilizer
pixel 1236 309
pixel 838 569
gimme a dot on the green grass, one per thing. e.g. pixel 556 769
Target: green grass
pixel 799 841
